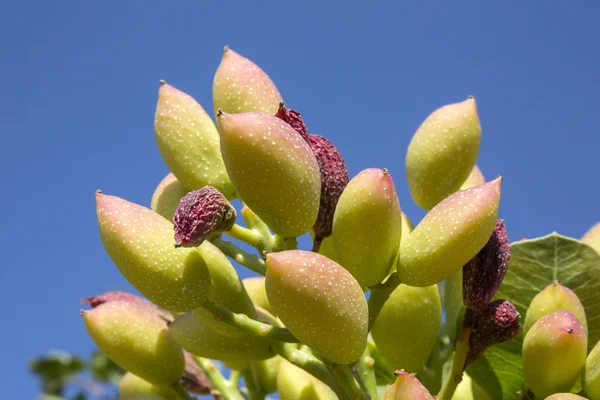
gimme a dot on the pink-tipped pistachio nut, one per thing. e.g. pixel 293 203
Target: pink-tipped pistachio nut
pixel 367 226
pixel 201 214
pixel 475 178
pixel 496 323
pixel 272 169
pixel 554 352
pixel 140 243
pixel 167 195
pixel 554 297
pixel 408 325
pixel 194 380
pixel 196 336
pixel 592 237
pixel 241 86
pixel 334 178
pixel 334 317
pixel 450 235
pixel 188 141
pixel 591 374
pixel 407 387
pixel 95 301
pixel 137 340
pixel 294 383
pixel 484 273
pixel 132 385
pixel 442 153
pixel 294 119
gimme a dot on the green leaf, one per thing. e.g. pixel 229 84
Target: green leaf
pixel 535 264
pixel 55 370
pixel 45 396
pixel 104 370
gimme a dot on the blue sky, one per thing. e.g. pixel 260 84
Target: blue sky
pixel 80 81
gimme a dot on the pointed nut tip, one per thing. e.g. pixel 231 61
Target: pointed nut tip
pixel 219 112
pixel 82 312
pixel 225 49
pixel 281 104
pixel 385 171
pixel 162 82
pixel 470 97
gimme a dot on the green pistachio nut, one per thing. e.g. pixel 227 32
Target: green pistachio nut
pixel 189 141
pixel 407 326
pixel 334 317
pixel 591 374
pixel 131 384
pixel 554 297
pixel 442 153
pixel 407 387
pixel 255 286
pixel 475 178
pixel 272 169
pixel 167 195
pixel 266 372
pixel 197 336
pixel 407 227
pixel 367 226
pixel 242 86
pixel 226 290
pixel 565 396
pixel 467 389
pixel 136 339
pixel 293 383
pixel 450 235
pixel 592 237
pixel 140 243
pixel 554 353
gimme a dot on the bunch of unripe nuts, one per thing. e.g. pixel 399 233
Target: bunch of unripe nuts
pixel 374 309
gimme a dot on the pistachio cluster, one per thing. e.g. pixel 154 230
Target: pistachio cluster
pixel 359 316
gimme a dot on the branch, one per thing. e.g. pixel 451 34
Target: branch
pixel 245 235
pixel 252 262
pixel 248 325
pixel 379 295
pixel 223 388
pixel 458 365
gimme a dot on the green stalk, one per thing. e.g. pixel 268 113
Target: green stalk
pixel 252 386
pixel 252 262
pixel 381 368
pixel 379 295
pixel 227 390
pixel 311 364
pixel 245 235
pixel 344 377
pixel 364 373
pixel 453 303
pixel 248 325
pixel 234 377
pixel 458 365
pixel 254 222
